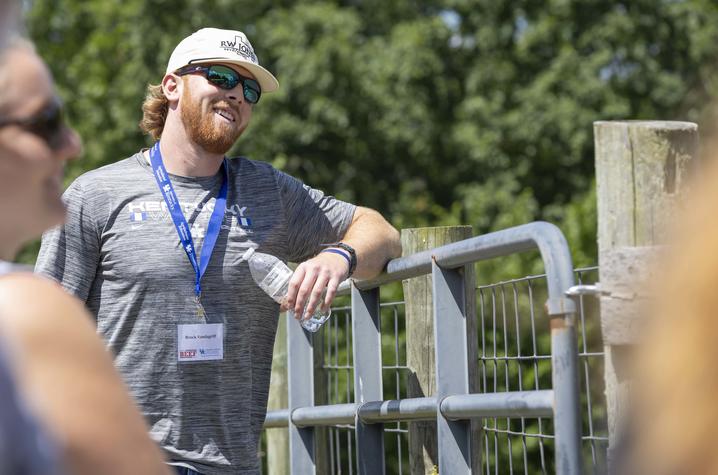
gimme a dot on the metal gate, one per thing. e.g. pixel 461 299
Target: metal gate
pixel 530 397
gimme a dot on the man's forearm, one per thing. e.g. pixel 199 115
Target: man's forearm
pixel 374 240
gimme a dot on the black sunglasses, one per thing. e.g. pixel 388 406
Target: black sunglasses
pixel 226 78
pixel 48 124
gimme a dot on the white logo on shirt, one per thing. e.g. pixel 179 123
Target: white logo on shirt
pixel 235 218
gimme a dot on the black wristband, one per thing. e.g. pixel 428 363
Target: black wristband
pixel 352 256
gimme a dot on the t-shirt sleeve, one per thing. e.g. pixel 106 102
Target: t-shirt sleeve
pixel 70 253
pixel 312 218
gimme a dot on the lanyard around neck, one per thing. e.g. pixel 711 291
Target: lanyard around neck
pixel 215 221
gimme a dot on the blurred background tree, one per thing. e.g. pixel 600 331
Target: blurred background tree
pixel 435 112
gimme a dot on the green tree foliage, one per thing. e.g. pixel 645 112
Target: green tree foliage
pixel 435 112
pixel 540 73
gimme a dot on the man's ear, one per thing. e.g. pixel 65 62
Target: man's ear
pixel 172 87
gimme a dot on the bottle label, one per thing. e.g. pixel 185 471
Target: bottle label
pixel 277 281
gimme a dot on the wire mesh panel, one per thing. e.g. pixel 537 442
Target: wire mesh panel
pixel 591 365
pixel 395 381
pixel 333 347
pixel 512 358
pixel 515 355
pixel 514 346
pixel 336 445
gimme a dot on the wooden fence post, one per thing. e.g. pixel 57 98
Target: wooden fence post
pixel 420 343
pixel 278 439
pixel 641 170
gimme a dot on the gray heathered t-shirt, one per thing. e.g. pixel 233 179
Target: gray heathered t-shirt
pixel 120 252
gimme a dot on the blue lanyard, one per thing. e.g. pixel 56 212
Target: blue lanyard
pixel 215 221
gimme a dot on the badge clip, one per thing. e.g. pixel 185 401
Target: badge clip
pixel 200 308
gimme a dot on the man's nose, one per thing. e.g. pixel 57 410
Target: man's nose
pixel 71 145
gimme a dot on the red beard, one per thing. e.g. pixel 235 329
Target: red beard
pixel 202 127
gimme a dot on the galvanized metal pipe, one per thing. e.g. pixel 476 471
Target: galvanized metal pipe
pixel 567 418
pixel 508 404
pixel 545 237
pixel 578 290
pixel 366 328
pixel 301 395
pixel 467 406
pixel 414 409
pixel 276 419
pixel 452 366
pixel 331 415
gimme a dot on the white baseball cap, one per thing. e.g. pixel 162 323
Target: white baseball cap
pixel 212 45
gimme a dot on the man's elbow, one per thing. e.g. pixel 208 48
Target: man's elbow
pixel 394 242
pixel 390 236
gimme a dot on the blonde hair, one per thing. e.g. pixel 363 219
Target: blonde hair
pixel 154 111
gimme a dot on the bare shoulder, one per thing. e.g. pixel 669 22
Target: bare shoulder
pixel 39 321
pixel 66 375
pixel 31 302
pixel 35 293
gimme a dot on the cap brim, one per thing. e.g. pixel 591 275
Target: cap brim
pixel 266 80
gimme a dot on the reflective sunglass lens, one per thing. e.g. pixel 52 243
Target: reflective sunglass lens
pixel 223 77
pixel 252 91
pixel 251 95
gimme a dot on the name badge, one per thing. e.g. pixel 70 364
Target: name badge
pixel 200 342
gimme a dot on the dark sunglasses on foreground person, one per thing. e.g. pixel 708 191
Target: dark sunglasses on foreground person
pixel 226 78
pixel 48 124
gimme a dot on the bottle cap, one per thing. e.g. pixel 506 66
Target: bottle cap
pixel 247 254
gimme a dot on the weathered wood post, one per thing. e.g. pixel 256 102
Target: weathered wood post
pixel 420 342
pixel 641 170
pixel 278 439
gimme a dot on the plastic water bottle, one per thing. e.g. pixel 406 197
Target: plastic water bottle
pixel 272 275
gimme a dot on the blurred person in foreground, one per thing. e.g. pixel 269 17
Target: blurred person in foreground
pixel 193 336
pixel 63 407
pixel 674 400
pixel 9 20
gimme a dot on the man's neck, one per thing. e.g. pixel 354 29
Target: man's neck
pixel 182 157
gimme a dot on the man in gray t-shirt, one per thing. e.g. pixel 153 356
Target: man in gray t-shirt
pixel 191 332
